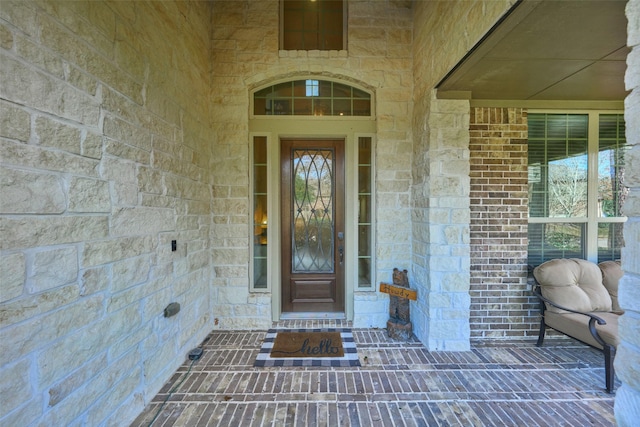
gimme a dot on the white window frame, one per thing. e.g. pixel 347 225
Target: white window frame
pixel 592 219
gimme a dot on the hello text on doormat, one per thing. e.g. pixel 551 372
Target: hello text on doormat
pixel 333 347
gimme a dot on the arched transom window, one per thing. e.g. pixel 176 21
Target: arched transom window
pixel 311 97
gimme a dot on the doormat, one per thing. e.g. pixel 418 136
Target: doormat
pixel 308 347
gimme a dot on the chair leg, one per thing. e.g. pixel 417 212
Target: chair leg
pixel 543 328
pixel 609 372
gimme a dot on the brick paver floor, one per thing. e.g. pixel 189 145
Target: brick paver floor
pixel 497 383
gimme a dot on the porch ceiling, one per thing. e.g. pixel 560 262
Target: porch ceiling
pixel 549 50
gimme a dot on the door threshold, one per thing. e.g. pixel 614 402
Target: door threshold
pixel 312 316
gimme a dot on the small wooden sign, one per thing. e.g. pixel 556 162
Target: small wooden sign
pixel 398 291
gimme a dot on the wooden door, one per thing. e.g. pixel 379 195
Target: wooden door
pixel 312 206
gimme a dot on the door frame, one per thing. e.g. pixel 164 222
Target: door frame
pixel 276 128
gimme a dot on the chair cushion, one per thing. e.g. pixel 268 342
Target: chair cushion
pixel 577 326
pixel 611 275
pixel 573 283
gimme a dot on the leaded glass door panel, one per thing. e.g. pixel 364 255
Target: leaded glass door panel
pixel 312 209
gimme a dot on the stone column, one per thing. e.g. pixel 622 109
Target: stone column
pixel 627 363
pixel 441 216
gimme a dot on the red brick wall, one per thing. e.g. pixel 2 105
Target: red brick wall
pixel 501 303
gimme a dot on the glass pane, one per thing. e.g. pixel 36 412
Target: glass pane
pixel 260 150
pixel 302 107
pixel 611 166
pixel 567 187
pixel 341 107
pixel 300 88
pixel 260 106
pixel 364 272
pixel 282 90
pixel 325 89
pixel 361 107
pixel 556 240
pixel 263 93
pixel 364 241
pixel 312 193
pixel 610 241
pixel 364 209
pixel 260 273
pixel 364 151
pixel 260 222
pixel 281 107
pixel 322 107
pixel 558 165
pixel 260 179
pixel 341 91
pixel 364 179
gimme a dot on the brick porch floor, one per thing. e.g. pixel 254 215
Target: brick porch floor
pixel 399 384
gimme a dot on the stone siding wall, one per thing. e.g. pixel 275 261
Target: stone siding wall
pixel 246 56
pixel 501 301
pixel 106 155
pixel 627 362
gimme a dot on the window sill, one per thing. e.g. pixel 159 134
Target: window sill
pixel 312 53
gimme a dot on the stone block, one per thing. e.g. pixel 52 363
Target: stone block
pixel 127 133
pixel 150 180
pixel 53 268
pixel 89 393
pixel 47 159
pixel 632 11
pixel 107 251
pixel 128 152
pixel 35 231
pixel 31 192
pixel 92 145
pixel 629 329
pixel 15 385
pixel 21 15
pixel 54 363
pixel 629 292
pixel 13 274
pixel 41 58
pixel 6 38
pixel 40 331
pixel 30 306
pixel 141 220
pixel 15 123
pixel 89 195
pixel 120 388
pixel 95 280
pixel 130 272
pixel 627 365
pixel 24 85
pixel 76 380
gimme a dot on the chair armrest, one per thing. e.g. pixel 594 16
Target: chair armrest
pixel 593 319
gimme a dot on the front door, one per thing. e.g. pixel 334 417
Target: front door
pixel 312 206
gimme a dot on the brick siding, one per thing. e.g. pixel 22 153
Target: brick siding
pixel 501 304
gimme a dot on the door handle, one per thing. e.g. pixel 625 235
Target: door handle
pixel 341 253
